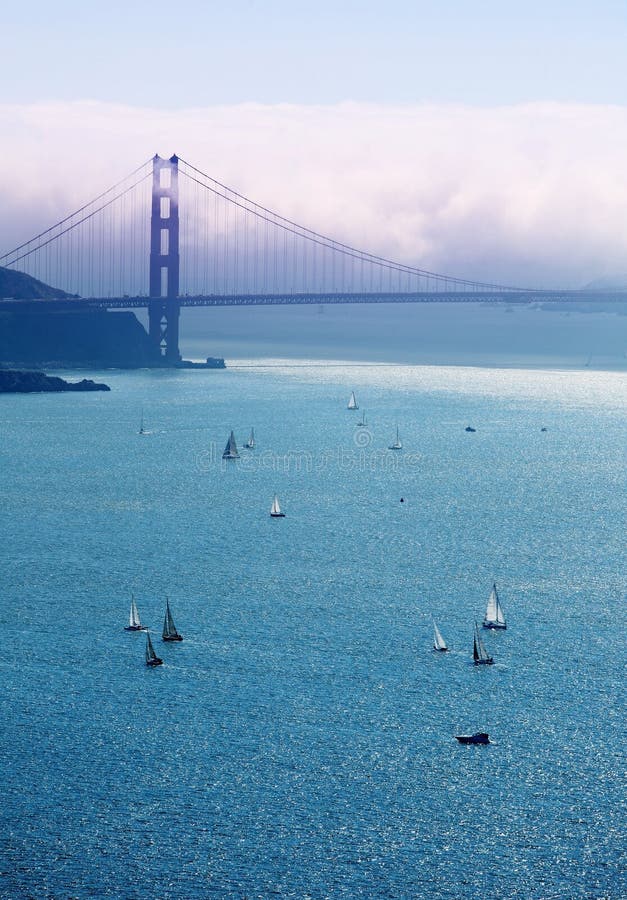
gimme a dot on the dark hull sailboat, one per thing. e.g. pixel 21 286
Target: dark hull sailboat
pixel 230 451
pixel 169 628
pixel 479 653
pixel 152 659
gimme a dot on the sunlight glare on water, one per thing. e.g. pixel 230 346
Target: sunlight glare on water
pixel 300 741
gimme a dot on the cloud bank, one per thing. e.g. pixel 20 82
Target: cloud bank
pixel 531 194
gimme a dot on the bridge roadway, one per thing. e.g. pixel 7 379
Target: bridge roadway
pixel 476 296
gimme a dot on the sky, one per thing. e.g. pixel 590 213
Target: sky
pixel 486 139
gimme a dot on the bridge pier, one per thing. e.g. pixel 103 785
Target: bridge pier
pixel 163 328
pixel 164 306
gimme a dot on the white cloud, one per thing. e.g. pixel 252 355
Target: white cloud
pixel 529 194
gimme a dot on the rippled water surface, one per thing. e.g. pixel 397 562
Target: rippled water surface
pixel 300 741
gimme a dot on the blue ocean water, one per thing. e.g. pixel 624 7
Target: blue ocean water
pixel 300 741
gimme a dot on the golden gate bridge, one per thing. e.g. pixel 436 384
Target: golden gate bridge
pixel 130 247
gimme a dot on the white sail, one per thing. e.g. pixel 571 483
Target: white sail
pixel 397 445
pixel 438 641
pixel 142 426
pixel 276 508
pixel 362 422
pixel 133 619
pixel 352 403
pixel 250 443
pixel 491 609
pixel 230 451
pixel 494 616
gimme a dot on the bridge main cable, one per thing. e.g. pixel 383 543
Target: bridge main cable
pixel 242 202
pixel 71 216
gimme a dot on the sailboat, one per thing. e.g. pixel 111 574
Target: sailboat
pixel 275 509
pixel 439 643
pixel 169 628
pixel 397 443
pixel 142 429
pixel 494 616
pixel 479 652
pixel 250 443
pixel 352 403
pixel 134 622
pixel 151 657
pixel 230 451
pixel 362 422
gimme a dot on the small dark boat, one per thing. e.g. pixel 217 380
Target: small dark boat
pixel 152 659
pixel 169 628
pixel 543 429
pixel 470 428
pixel 481 737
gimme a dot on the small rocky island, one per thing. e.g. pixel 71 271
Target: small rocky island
pixel 16 382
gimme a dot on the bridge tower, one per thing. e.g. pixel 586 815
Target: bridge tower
pixel 164 308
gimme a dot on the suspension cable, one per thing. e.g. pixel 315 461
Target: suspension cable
pixel 74 224
pixel 75 213
pixel 323 240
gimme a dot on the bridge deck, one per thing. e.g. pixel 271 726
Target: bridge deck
pixel 544 296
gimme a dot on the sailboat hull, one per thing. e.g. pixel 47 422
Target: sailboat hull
pixel 501 626
pixel 440 649
pixel 151 663
pixel 277 515
pixel 171 637
pixel 484 662
pixel 135 628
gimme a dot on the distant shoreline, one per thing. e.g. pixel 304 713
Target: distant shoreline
pixel 470 336
pixel 238 365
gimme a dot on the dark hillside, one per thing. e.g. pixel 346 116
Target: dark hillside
pixel 19 286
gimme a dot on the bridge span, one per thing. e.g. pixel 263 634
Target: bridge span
pixel 315 299
pixel 130 248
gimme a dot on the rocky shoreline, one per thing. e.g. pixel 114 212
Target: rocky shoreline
pixel 13 381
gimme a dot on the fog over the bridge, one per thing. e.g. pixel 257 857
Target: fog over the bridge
pixel 530 195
